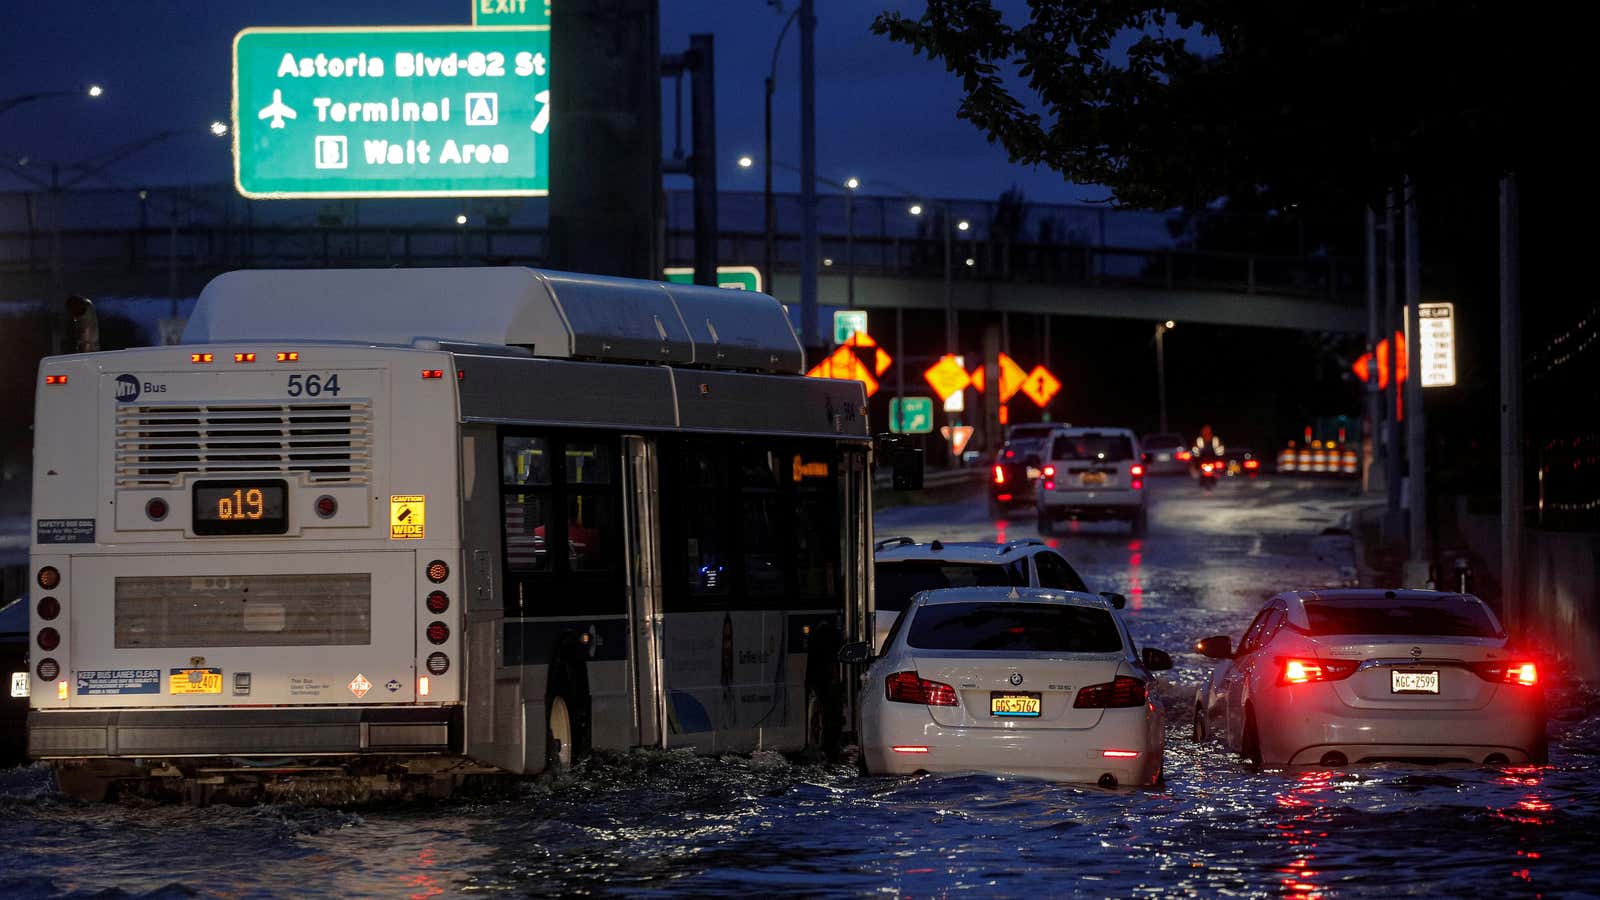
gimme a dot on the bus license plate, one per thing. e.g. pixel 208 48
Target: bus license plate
pixel 19 684
pixel 1014 704
pixel 1409 682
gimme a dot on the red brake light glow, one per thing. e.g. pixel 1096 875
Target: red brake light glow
pixel 1185 456
pixel 1303 671
pixel 1523 673
pixel 432 373
pixel 1136 471
pixel 909 687
pixel 909 749
pixel 1120 693
pixel 55 379
pixel 1004 498
pixel 1252 464
pixel 999 474
pixel 1119 754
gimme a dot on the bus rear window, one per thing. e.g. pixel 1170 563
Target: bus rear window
pixel 1022 627
pixel 1445 617
pixel 898 582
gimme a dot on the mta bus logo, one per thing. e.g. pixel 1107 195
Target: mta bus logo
pixel 127 388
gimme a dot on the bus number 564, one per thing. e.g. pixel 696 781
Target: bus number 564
pixel 313 385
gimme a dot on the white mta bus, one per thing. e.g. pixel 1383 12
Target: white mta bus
pixel 441 521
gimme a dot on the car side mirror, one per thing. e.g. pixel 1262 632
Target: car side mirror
pixel 903 460
pixel 1217 647
pixel 1156 660
pixel 1116 600
pixel 855 653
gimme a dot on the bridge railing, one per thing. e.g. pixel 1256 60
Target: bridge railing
pixel 87 252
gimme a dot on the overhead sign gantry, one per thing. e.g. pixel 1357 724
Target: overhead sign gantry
pixel 391 112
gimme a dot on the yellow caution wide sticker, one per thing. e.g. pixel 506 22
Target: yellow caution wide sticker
pixel 407 513
pixel 194 681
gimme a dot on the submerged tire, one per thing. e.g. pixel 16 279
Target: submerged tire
pixel 1250 743
pixel 1198 732
pixel 559 743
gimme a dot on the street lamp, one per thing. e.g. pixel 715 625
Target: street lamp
pixel 219 128
pixel 746 162
pixel 1161 368
pixel 91 91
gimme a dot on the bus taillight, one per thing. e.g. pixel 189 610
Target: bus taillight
pixel 49 639
pixel 438 632
pixel 49 577
pixel 437 571
pixel 48 669
pixel 438 602
pixel 49 608
pixel 422 685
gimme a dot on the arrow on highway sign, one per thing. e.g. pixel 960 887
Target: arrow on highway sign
pixel 1011 378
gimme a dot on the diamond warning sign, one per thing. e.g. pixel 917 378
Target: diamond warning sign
pixel 406 514
pixel 360 685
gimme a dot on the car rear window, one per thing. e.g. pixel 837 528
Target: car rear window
pixel 897 582
pixel 1445 617
pixel 1006 626
pixel 1164 441
pixel 1107 447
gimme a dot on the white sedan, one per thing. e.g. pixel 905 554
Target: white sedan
pixel 1348 676
pixel 1025 681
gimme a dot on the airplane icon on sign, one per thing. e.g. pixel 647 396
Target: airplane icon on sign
pixel 277 110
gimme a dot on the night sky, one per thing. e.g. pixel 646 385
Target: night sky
pixel 165 65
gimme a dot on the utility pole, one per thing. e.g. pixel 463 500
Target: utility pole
pixel 808 176
pixel 1391 397
pixel 1511 484
pixel 1374 402
pixel 1416 422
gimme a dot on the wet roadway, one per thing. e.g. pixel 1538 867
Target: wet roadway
pixel 654 823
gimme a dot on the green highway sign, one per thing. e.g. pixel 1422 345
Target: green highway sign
pixel 391 112
pixel 847 322
pixel 510 12
pixel 739 278
pixel 911 415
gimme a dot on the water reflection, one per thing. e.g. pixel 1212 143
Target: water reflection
pixel 1299 833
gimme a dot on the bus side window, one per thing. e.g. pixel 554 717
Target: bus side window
pixel 762 515
pixel 701 494
pixel 814 472
pixel 589 522
pixel 525 461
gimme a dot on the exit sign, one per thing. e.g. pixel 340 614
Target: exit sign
pixel 391 112
pixel 739 278
pixel 510 12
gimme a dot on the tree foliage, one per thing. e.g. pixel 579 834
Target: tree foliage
pixel 1271 105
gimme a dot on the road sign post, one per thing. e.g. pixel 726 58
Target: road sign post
pixel 391 112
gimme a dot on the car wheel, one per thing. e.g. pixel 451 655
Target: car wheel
pixel 1198 733
pixel 1250 744
pixel 558 741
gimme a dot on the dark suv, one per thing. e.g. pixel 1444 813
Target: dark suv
pixel 1015 470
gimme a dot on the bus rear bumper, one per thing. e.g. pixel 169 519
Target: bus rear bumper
pixel 283 731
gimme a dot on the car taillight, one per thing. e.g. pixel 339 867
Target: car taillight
pixel 1252 464
pixel 1119 754
pixel 1206 467
pixel 1303 671
pixel 1136 471
pixel 1184 456
pixel 1523 673
pixel 909 687
pixel 1119 693
pixel 1049 476
pixel 999 474
pixel 1004 498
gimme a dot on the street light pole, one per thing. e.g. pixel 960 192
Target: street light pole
pixel 808 175
pixel 92 91
pixel 1161 368
pixel 770 255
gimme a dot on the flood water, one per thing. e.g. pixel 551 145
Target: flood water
pixel 652 823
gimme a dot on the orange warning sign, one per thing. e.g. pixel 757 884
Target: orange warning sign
pixel 957 435
pixel 946 377
pixel 1040 385
pixel 1011 378
pixel 844 362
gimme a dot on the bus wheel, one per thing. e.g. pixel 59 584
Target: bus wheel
pixel 558 736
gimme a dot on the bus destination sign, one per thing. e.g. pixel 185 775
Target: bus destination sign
pixel 391 112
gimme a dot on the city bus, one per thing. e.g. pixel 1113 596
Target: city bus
pixel 416 524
